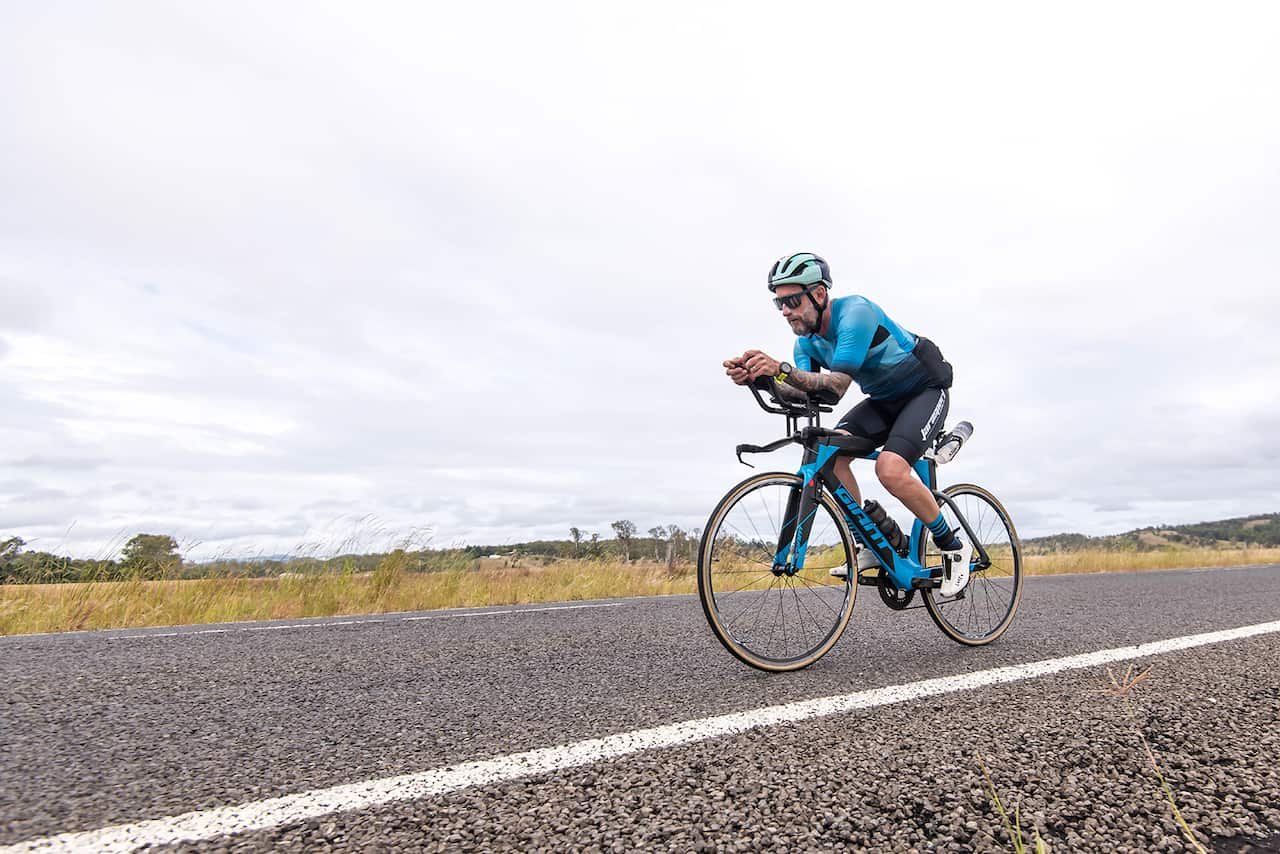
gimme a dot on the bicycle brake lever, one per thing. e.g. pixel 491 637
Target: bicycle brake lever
pixel 742 449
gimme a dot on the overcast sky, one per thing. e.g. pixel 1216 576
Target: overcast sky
pixel 282 276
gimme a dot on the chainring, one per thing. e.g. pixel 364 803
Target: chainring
pixel 892 596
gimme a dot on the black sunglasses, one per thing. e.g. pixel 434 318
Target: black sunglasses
pixel 793 301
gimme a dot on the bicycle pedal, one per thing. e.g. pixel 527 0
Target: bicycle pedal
pixel 869 579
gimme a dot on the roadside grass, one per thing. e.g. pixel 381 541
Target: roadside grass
pixel 1126 561
pixel 391 586
pixel 1123 687
pixel 1013 826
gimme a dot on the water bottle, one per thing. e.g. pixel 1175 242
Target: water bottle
pixel 897 540
pixel 950 444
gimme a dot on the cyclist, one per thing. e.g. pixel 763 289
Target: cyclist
pixel 903 375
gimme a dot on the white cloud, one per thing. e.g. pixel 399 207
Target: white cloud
pixel 268 268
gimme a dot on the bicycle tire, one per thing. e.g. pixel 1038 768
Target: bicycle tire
pixel 729 554
pixel 986 607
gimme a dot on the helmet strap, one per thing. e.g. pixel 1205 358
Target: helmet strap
pixel 817 327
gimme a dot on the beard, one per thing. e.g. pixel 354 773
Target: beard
pixel 802 327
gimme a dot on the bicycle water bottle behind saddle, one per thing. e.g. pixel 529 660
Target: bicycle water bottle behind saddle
pixel 949 445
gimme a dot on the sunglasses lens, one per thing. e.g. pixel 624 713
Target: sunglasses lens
pixel 793 300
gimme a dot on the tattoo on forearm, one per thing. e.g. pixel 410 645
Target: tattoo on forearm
pixel 815 382
pixel 787 392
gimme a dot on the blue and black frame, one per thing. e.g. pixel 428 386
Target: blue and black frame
pixel 817 471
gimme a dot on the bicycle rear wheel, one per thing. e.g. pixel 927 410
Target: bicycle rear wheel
pixel 774 621
pixel 984 609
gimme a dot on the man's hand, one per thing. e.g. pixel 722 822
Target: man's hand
pixel 758 364
pixel 733 367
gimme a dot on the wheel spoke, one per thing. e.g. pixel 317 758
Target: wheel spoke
pixel 792 620
pixel 984 610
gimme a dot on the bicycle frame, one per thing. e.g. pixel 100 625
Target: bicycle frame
pixel 818 471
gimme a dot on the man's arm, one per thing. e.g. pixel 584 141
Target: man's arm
pixel 782 391
pixel 831 385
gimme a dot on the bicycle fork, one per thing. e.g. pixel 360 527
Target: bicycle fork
pixel 802 506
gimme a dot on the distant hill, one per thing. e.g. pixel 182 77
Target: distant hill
pixel 1263 530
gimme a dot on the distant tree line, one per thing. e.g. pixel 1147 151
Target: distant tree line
pixel 146 556
pixel 669 544
pixel 156 556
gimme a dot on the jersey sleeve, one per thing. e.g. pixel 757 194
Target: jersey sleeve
pixel 800 358
pixel 857 327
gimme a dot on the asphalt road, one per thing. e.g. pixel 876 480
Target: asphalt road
pixel 111 728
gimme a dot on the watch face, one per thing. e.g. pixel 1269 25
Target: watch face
pixel 786 368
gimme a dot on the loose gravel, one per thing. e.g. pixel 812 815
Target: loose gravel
pixel 904 778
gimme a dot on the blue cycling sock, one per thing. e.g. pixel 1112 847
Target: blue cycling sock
pixel 942 536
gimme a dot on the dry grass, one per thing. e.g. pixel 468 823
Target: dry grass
pixel 1109 561
pixel 31 608
pixel 1123 687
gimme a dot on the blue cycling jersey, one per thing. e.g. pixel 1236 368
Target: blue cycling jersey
pixel 863 342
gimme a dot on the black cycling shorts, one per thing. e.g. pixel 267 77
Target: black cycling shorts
pixel 906 425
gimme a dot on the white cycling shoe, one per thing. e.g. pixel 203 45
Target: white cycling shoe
pixel 956 569
pixel 866 560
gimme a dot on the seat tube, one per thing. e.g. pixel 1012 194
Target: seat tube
pixel 927 471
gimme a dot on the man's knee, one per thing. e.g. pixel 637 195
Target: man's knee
pixel 892 470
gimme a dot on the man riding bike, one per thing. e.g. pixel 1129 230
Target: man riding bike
pixel 903 375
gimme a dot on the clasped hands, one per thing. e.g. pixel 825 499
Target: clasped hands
pixel 751 365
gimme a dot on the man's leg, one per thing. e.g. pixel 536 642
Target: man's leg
pixel 844 473
pixel 897 476
pixel 917 424
pixel 914 428
pixel 867 422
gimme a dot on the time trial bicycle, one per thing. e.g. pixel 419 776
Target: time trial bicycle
pixel 777 566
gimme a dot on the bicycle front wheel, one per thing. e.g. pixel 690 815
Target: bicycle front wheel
pixel 983 610
pixel 775 621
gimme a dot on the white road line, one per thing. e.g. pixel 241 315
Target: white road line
pixel 450 615
pixel 179 634
pixel 291 809
pixel 511 611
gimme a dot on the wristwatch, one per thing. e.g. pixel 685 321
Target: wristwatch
pixel 784 369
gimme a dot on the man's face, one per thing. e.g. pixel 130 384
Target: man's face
pixel 804 317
